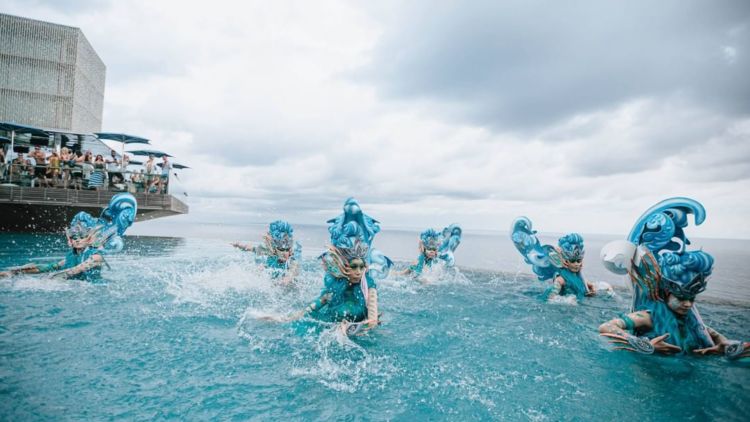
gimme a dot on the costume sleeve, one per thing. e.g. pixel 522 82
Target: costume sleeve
pixel 371 282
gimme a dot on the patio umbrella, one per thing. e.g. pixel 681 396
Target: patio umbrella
pixel 123 138
pixel 176 166
pixel 149 152
pixel 15 127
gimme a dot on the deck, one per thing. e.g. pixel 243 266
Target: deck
pixel 51 209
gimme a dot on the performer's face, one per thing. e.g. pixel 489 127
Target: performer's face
pixel 283 254
pixel 430 252
pixel 574 265
pixel 680 306
pixel 357 268
pixel 78 242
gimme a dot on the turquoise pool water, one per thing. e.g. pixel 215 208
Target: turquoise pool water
pixel 171 332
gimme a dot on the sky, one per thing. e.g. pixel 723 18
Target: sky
pixel 579 115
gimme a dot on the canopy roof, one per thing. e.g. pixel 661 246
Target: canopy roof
pixel 15 127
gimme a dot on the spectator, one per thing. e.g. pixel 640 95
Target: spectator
pixel 136 182
pixel 150 173
pixel 166 168
pixel 87 165
pixel 18 167
pixel 2 163
pixel 76 170
pixel 67 161
pixel 40 166
pixel 124 163
pixel 53 170
pixel 114 173
pixel 98 177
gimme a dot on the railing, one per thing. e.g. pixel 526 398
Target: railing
pixel 78 177
pixel 59 196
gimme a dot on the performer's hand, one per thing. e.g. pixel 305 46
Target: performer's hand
pixel 590 289
pixel 663 347
pixel 658 343
pixel 372 324
pixel 714 350
pixel 745 350
pixel 734 350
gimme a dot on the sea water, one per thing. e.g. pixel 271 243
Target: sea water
pixel 173 331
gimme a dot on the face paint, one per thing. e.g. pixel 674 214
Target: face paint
pixel 680 306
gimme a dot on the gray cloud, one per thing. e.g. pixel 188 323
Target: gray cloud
pixel 525 65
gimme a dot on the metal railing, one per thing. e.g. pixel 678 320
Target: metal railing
pixel 78 177
pixel 95 199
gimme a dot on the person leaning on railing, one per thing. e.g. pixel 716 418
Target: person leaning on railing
pixel 19 167
pixel 53 170
pixel 67 161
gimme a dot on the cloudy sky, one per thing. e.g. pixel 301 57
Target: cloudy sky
pixel 577 114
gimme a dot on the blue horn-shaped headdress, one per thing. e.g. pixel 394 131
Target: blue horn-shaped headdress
pixel 352 232
pixel 111 225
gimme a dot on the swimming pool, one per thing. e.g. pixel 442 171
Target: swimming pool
pixel 171 333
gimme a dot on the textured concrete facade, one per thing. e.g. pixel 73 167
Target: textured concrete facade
pixel 50 76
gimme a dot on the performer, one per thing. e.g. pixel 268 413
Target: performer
pixel 278 252
pixel 90 240
pixel 666 279
pixel 349 295
pixel 435 247
pixel 561 264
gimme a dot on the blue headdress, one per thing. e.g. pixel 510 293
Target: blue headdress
pixel 280 237
pixel 430 239
pixel 451 240
pixel 571 247
pixel 658 262
pixel 548 261
pixel 352 233
pixel 545 260
pixel 662 263
pixel 685 275
pixel 106 232
pixel 353 223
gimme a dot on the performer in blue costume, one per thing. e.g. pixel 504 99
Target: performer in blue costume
pixel 90 240
pixel 352 266
pixel 561 264
pixel 436 247
pixel 666 279
pixel 278 252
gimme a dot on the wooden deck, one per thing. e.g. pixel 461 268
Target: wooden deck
pixel 51 209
